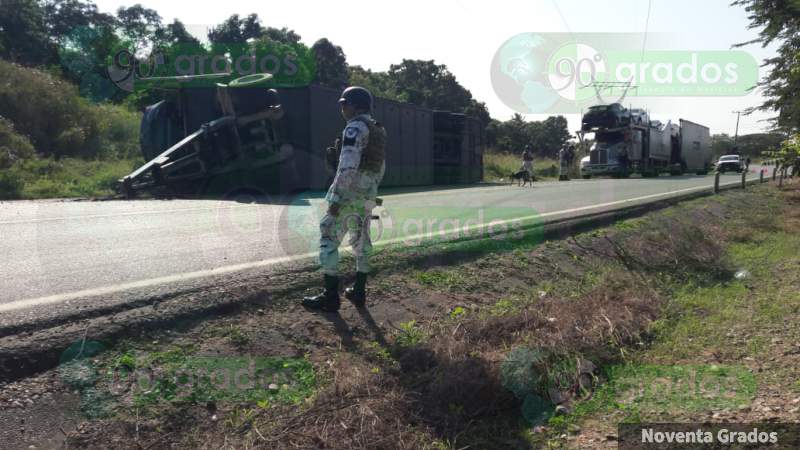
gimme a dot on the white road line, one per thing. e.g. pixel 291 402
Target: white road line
pixel 123 214
pixel 106 290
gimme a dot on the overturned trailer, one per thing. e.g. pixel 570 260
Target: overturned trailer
pixel 220 137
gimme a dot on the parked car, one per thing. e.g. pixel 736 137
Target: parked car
pixel 729 163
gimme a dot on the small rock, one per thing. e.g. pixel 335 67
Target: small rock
pixel 741 274
pixel 796 401
pixel 273 387
pixel 794 410
pixel 214 418
pixel 17 403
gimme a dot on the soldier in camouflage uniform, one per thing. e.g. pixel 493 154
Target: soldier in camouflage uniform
pixel 351 199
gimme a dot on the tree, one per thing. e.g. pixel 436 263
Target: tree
pixel 779 21
pixel 236 30
pixel 331 63
pixel 23 33
pixel 282 35
pixel 63 17
pixel 175 33
pixel 428 84
pixel 139 25
pixel 546 137
pixel 378 83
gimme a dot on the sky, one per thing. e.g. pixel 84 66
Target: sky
pixel 465 35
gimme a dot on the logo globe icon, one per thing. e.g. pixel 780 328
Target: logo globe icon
pixel 519 74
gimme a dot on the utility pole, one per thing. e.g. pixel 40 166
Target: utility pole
pixel 736 135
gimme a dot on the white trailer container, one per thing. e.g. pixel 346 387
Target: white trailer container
pixel 695 147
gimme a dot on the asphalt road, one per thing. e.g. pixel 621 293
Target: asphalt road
pixel 58 253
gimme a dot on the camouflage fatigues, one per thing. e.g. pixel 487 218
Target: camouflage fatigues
pixel 360 170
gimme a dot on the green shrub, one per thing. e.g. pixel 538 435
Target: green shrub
pixel 13 146
pixel 67 177
pixel 59 122
pixel 11 185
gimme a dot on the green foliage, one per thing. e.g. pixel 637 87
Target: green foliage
pixel 410 334
pixel 331 63
pixel 24 36
pixel 639 391
pixel 13 146
pixel 67 177
pixel 236 30
pixel 751 145
pixel 422 83
pixel 789 151
pixel 442 279
pixel 58 122
pixel 546 137
pixel 777 22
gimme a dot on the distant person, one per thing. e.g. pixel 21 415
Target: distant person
pixel 527 160
pixel 351 198
pixel 747 163
pixel 565 157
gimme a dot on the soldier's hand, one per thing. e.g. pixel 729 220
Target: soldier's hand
pixel 333 209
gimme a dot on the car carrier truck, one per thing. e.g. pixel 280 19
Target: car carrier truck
pixel 626 143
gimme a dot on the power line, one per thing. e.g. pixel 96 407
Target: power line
pixel 646 26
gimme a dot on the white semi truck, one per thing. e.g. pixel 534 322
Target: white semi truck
pixel 628 142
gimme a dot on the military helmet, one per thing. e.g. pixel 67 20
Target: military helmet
pixel 358 97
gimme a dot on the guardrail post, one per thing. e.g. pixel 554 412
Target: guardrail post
pixel 761 176
pixel 716 183
pixel 744 179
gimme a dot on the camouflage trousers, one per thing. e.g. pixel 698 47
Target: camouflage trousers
pixel 353 219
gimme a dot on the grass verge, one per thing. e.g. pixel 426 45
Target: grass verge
pixel 38 178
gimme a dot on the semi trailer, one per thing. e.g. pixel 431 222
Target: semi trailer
pixel 627 142
pixel 213 136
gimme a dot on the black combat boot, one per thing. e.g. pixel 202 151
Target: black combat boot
pixel 328 300
pixel 358 293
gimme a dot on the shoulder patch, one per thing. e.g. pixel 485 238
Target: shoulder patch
pixel 351 132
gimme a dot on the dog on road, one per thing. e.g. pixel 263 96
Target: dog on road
pixel 522 177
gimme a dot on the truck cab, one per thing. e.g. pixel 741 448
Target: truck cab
pixel 610 153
